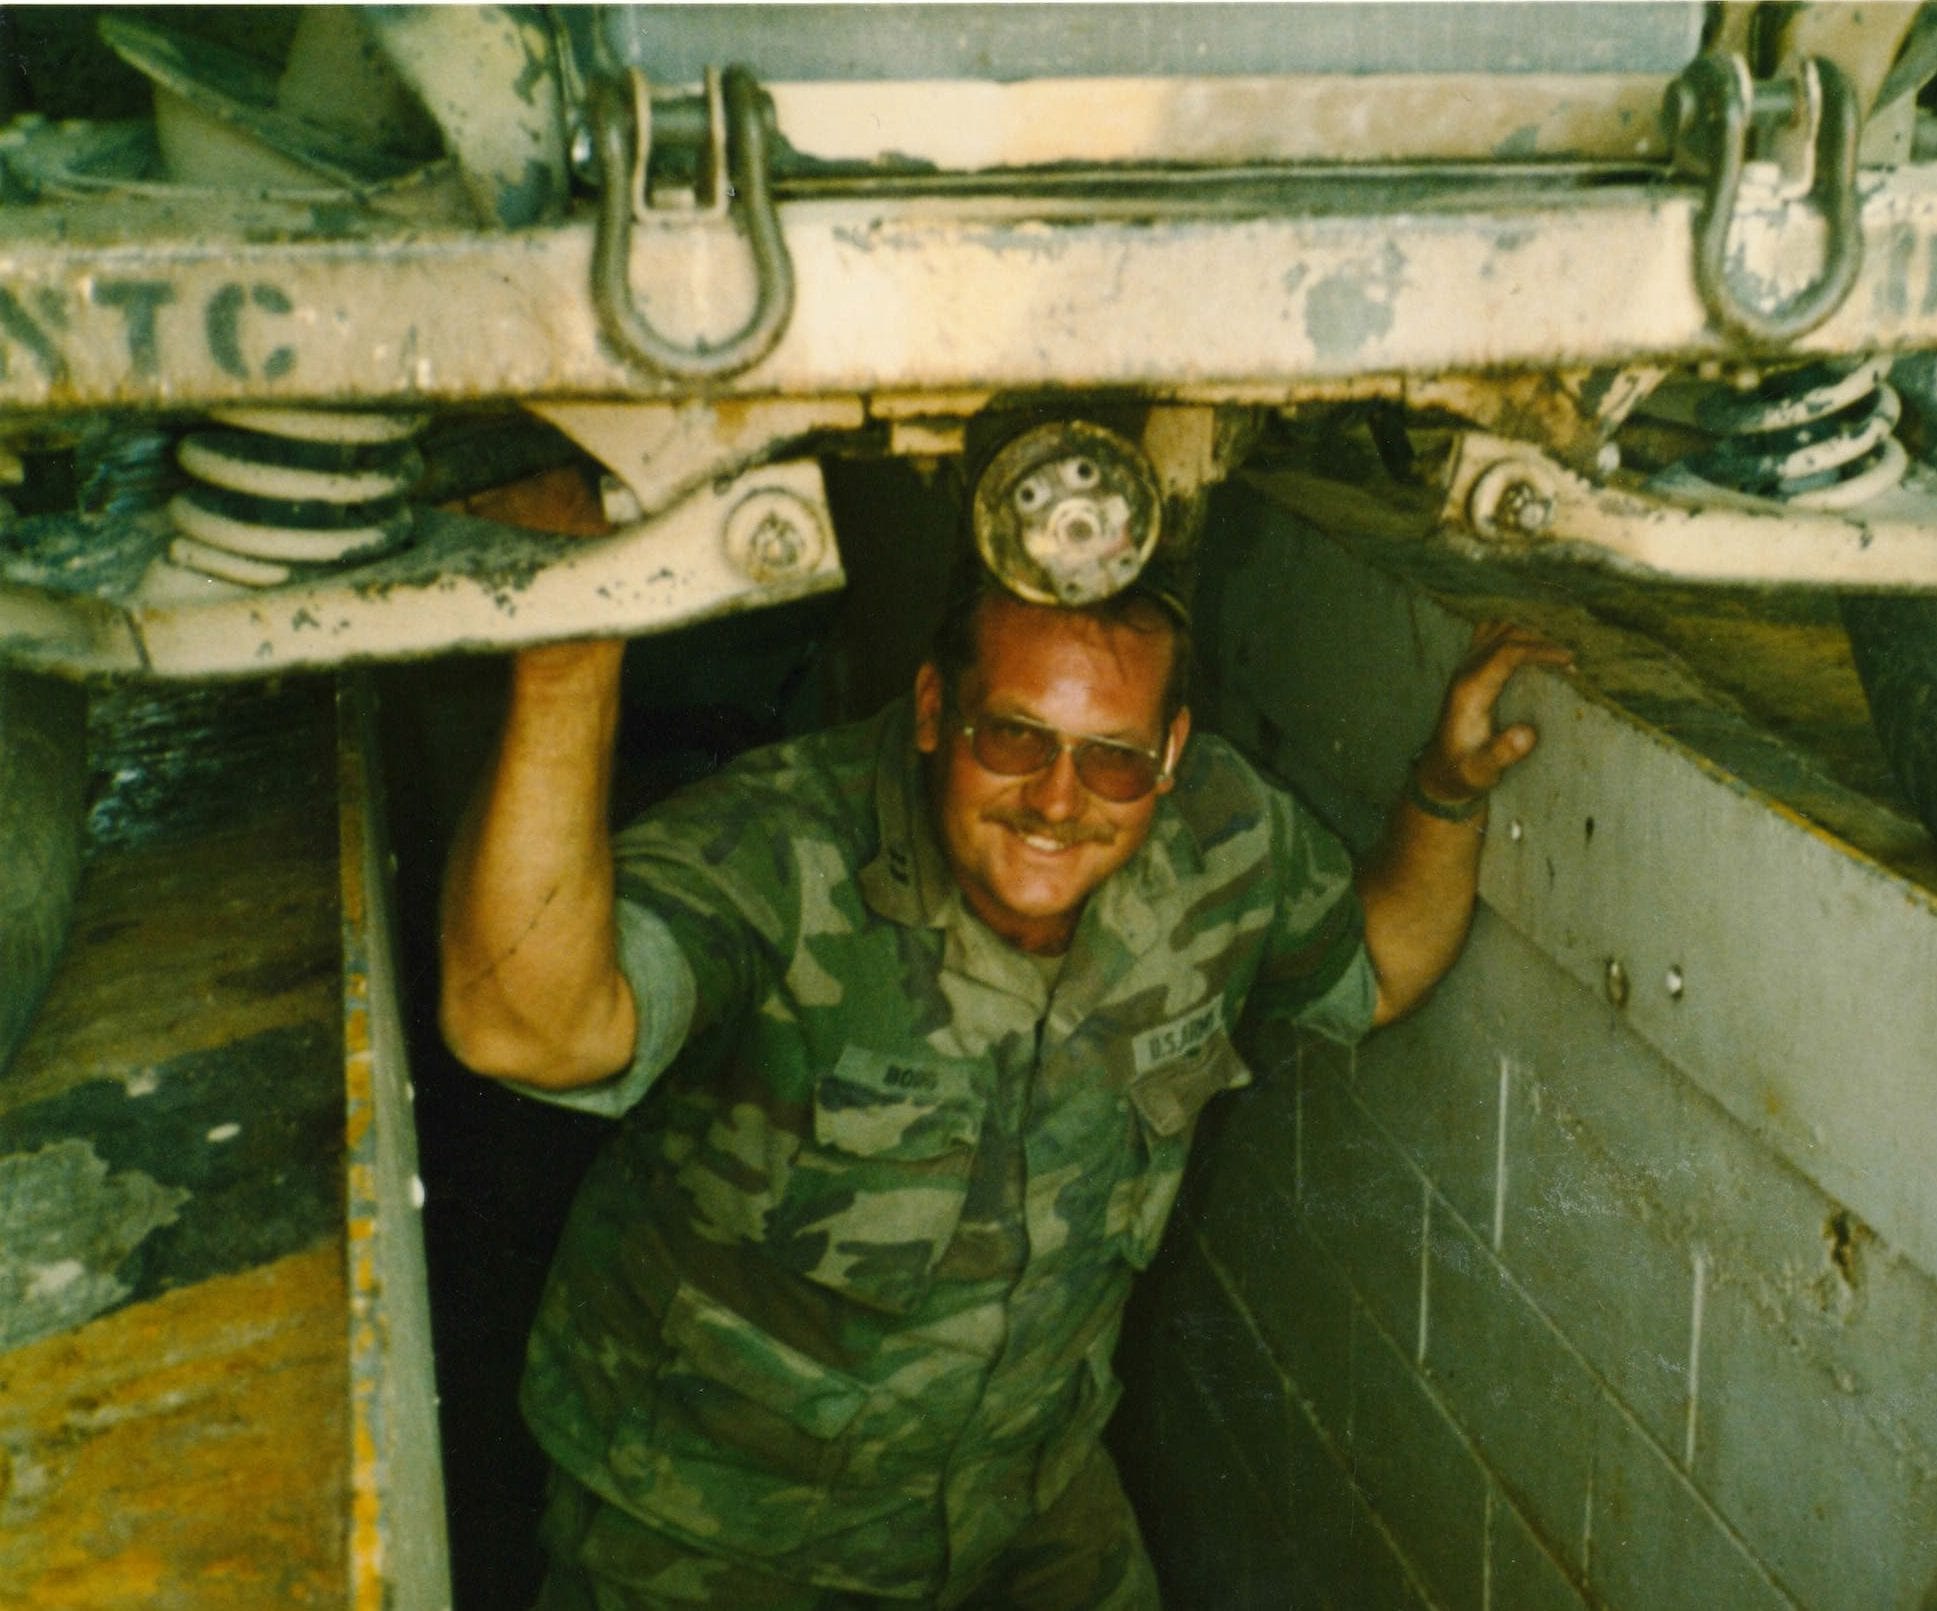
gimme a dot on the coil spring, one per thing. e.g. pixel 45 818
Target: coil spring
pixel 1819 436
pixel 281 492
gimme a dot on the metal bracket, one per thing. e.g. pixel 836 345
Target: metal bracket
pixel 1515 500
pixel 737 134
pixel 97 598
pixel 1713 110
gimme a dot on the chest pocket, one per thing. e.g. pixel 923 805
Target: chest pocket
pixel 1167 1100
pixel 874 1200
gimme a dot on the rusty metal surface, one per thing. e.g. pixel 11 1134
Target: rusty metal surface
pixel 181 1386
pixel 183 1452
pixel 206 913
pixel 1269 284
pixel 398 1556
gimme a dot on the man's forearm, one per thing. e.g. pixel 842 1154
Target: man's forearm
pixel 1418 890
pixel 531 982
pixel 1420 885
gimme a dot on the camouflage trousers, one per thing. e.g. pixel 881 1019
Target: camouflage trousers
pixel 1084 1553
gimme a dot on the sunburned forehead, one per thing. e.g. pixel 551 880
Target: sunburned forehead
pixel 1045 661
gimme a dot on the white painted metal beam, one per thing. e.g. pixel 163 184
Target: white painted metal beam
pixel 969 125
pixel 1886 543
pixel 399 1551
pixel 464 584
pixel 1180 294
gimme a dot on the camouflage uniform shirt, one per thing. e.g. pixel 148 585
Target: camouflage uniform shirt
pixel 839 1299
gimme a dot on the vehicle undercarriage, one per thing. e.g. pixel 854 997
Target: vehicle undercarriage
pixel 1657 294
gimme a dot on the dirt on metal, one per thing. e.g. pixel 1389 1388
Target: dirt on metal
pixel 187 1451
pixel 174 1405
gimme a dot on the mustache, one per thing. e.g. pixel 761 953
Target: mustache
pixel 1018 819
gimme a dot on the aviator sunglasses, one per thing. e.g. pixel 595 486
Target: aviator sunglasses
pixel 1014 747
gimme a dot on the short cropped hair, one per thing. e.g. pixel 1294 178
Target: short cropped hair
pixel 1144 606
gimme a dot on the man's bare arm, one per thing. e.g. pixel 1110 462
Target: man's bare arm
pixel 1419 886
pixel 531 982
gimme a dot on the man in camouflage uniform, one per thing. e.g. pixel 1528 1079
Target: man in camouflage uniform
pixel 927 1008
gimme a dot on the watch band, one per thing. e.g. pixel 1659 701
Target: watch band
pixel 1444 810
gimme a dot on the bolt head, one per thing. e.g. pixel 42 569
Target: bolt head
pixel 1525 508
pixel 1510 499
pixel 772 535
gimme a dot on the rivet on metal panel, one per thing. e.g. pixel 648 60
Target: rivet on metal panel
pixel 772 534
pixel 1676 982
pixel 1515 832
pixel 1523 507
pixel 1615 979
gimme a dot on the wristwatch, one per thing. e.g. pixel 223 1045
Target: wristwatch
pixel 1445 810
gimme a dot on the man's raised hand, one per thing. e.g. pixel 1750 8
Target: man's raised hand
pixel 1468 752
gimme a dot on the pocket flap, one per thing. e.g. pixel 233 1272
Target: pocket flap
pixel 1170 1097
pixel 724 1347
pixel 896 1107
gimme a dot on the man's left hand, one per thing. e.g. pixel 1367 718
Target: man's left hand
pixel 1420 885
pixel 1468 754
